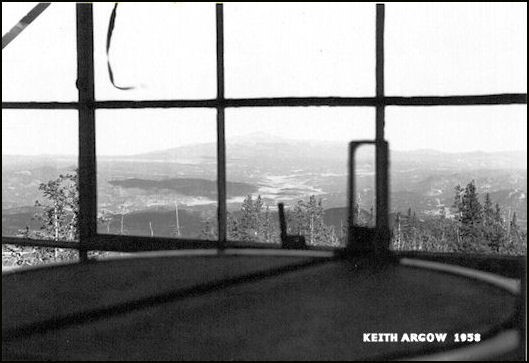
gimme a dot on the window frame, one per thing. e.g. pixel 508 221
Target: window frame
pixel 90 239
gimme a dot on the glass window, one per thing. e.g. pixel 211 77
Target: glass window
pixel 157 172
pixel 160 50
pixel 39 184
pixel 41 63
pixel 459 178
pixel 455 49
pixel 157 168
pixel 308 49
pixel 295 156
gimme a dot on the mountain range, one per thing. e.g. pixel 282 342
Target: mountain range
pixel 278 169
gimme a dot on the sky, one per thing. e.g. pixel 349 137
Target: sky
pixel 286 49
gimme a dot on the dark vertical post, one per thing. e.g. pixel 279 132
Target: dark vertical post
pixel 351 197
pixel 382 162
pixel 521 310
pixel 221 141
pixel 380 70
pixel 87 155
pixel 282 222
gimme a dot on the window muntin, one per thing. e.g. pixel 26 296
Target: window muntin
pixel 370 101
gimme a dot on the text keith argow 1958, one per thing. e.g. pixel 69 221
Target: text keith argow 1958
pixel 419 337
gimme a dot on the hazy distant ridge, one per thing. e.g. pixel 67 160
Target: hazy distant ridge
pixel 269 149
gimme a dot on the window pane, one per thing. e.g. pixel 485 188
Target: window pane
pixel 162 50
pixel 40 64
pixel 157 172
pixel 446 48
pixel 309 49
pixel 483 149
pixel 39 184
pixel 297 156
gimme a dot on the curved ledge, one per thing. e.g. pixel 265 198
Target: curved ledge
pixel 503 343
pixel 227 251
pixel 498 342
pixel 505 283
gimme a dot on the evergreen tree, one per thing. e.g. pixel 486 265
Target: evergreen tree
pixel 58 214
pixel 476 228
pixel 515 241
pixel 488 211
pixel 458 201
pixel 502 236
pixel 470 220
pixel 307 219
pixel 492 230
pixel 497 214
pixel 268 227
pixel 471 209
pixel 233 228
pixel 253 223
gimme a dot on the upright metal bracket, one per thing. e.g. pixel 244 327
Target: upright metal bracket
pixel 368 239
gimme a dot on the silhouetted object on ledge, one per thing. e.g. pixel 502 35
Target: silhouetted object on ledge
pixel 292 241
pixel 369 240
pixel 362 237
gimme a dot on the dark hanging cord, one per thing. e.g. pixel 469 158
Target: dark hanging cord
pixel 109 38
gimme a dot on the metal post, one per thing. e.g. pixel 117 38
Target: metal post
pixel 87 153
pixel 221 141
pixel 382 162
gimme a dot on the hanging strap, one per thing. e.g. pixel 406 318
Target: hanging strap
pixel 23 23
pixel 109 39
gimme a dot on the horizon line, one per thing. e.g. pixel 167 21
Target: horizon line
pixel 162 150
